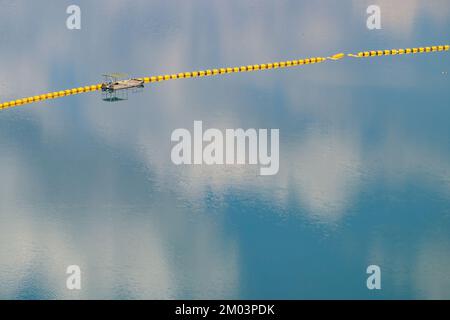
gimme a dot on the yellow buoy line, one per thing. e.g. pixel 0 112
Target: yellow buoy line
pixel 220 71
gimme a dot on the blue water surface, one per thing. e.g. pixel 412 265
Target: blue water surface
pixel 364 173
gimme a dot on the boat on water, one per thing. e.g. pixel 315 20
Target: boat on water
pixel 113 83
pixel 115 87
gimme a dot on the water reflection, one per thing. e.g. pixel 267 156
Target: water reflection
pixel 364 172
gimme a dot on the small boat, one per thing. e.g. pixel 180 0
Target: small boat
pixel 115 88
pixel 114 84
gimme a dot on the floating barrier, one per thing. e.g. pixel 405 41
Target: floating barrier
pixel 221 71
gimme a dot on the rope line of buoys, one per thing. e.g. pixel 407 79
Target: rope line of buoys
pixel 220 71
pixel 50 95
pixel 393 52
pixel 248 68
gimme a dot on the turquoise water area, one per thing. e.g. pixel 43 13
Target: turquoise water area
pixel 364 152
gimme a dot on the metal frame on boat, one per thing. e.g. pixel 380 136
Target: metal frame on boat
pixel 115 87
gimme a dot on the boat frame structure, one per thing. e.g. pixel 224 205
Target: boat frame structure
pixel 116 87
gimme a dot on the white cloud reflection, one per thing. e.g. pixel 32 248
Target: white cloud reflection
pixel 121 253
pixel 401 18
pixel 325 166
pixel 325 183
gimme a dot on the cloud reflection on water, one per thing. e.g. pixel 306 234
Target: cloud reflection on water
pixel 179 252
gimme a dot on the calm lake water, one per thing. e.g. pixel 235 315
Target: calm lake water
pixel 364 152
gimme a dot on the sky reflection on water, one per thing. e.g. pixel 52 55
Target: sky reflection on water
pixel 364 153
